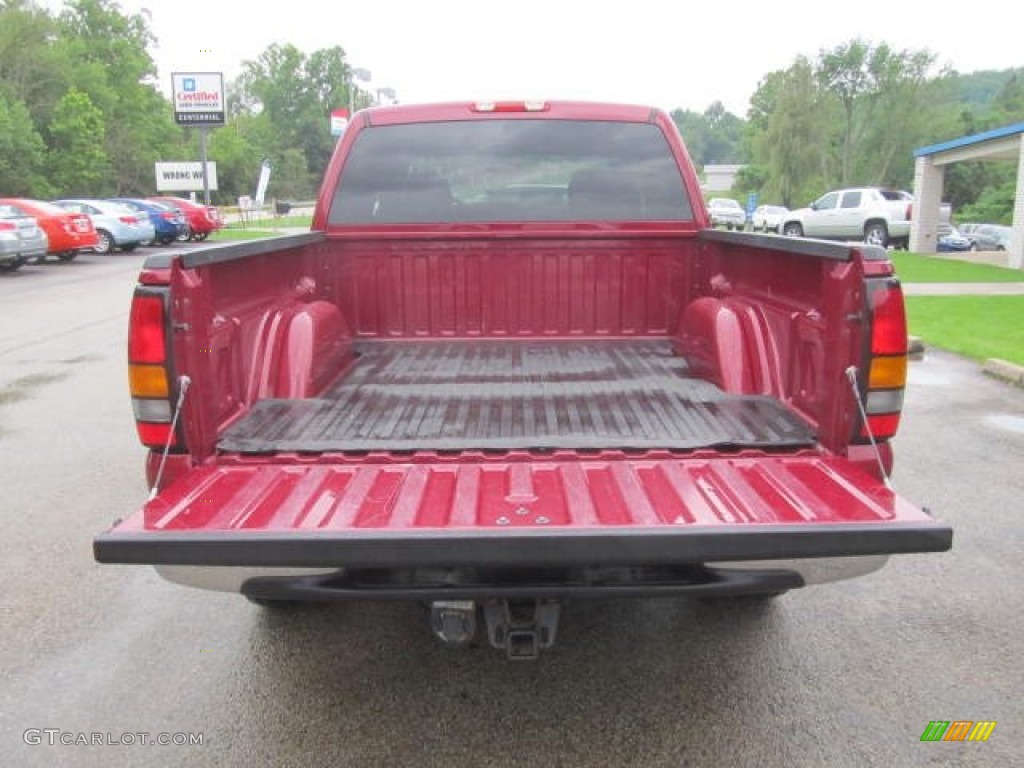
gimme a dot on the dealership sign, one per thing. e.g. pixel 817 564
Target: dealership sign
pixel 184 177
pixel 198 98
pixel 339 121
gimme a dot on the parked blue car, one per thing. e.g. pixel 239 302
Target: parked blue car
pixel 168 223
pixel 954 242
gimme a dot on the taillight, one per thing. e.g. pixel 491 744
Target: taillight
pixel 127 219
pixel 146 341
pixel 7 226
pixel 168 216
pixel 887 358
pixel 148 378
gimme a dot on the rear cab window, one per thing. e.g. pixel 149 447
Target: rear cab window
pixel 510 171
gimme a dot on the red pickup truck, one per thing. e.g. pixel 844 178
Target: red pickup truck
pixel 512 365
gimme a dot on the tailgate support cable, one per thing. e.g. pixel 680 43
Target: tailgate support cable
pixel 183 385
pixel 851 374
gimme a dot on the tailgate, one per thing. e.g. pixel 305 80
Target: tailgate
pixel 557 511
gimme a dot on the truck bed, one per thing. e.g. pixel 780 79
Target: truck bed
pixel 516 394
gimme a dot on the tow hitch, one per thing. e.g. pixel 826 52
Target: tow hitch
pixel 521 628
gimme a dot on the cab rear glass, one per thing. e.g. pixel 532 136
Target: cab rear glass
pixel 510 171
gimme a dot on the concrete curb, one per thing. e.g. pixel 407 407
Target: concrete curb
pixel 994 367
pixel 915 348
pixel 1001 369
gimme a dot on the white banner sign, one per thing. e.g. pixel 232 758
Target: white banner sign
pixel 261 185
pixel 184 177
pixel 198 98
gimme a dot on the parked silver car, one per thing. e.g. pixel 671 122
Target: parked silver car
pixel 727 213
pixel 990 237
pixel 21 239
pixel 117 225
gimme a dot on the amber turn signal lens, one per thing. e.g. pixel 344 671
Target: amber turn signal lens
pixel 888 372
pixel 148 381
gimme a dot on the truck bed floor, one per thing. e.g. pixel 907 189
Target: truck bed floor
pixel 504 395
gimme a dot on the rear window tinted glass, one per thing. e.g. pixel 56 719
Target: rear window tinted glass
pixel 850 200
pixel 510 170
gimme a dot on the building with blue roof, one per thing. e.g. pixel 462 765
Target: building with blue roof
pixel 929 173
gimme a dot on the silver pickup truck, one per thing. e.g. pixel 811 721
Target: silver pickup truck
pixel 876 215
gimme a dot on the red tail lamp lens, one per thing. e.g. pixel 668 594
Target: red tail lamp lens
pixel 146 343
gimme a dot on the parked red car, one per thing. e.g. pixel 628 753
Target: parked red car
pixel 68 232
pixel 201 219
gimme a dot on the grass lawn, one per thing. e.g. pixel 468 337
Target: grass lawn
pixel 975 326
pixel 273 222
pixel 230 234
pixel 915 268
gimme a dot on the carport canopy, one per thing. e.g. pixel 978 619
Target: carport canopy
pixel 929 172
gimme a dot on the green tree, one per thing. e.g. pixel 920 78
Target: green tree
pixel 694 130
pixel 238 161
pixel 845 72
pixel 1009 102
pixel 712 137
pixel 22 152
pixel 289 97
pixel 881 93
pixel 79 166
pixel 793 130
pixel 290 178
pixel 108 50
pixel 34 68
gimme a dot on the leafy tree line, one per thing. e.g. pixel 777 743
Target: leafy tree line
pixel 853 116
pixel 77 116
pixel 81 114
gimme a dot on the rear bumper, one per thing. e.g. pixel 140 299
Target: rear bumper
pixel 336 584
pixel 525 548
pixel 13 250
pixel 130 235
pixel 544 585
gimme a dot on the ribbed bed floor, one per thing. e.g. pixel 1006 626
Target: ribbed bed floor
pixel 503 395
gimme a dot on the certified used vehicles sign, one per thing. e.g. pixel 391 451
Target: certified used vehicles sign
pixel 198 98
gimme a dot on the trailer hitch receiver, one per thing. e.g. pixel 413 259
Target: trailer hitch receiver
pixel 522 628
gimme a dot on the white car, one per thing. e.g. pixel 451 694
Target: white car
pixel 726 213
pixel 117 225
pixel 768 218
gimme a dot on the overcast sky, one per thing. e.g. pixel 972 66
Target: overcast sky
pixel 663 53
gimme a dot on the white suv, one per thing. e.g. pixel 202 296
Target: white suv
pixel 875 215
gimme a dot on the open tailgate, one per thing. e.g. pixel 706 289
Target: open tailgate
pixel 567 511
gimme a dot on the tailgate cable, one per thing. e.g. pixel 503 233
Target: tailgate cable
pixel 851 374
pixel 183 385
